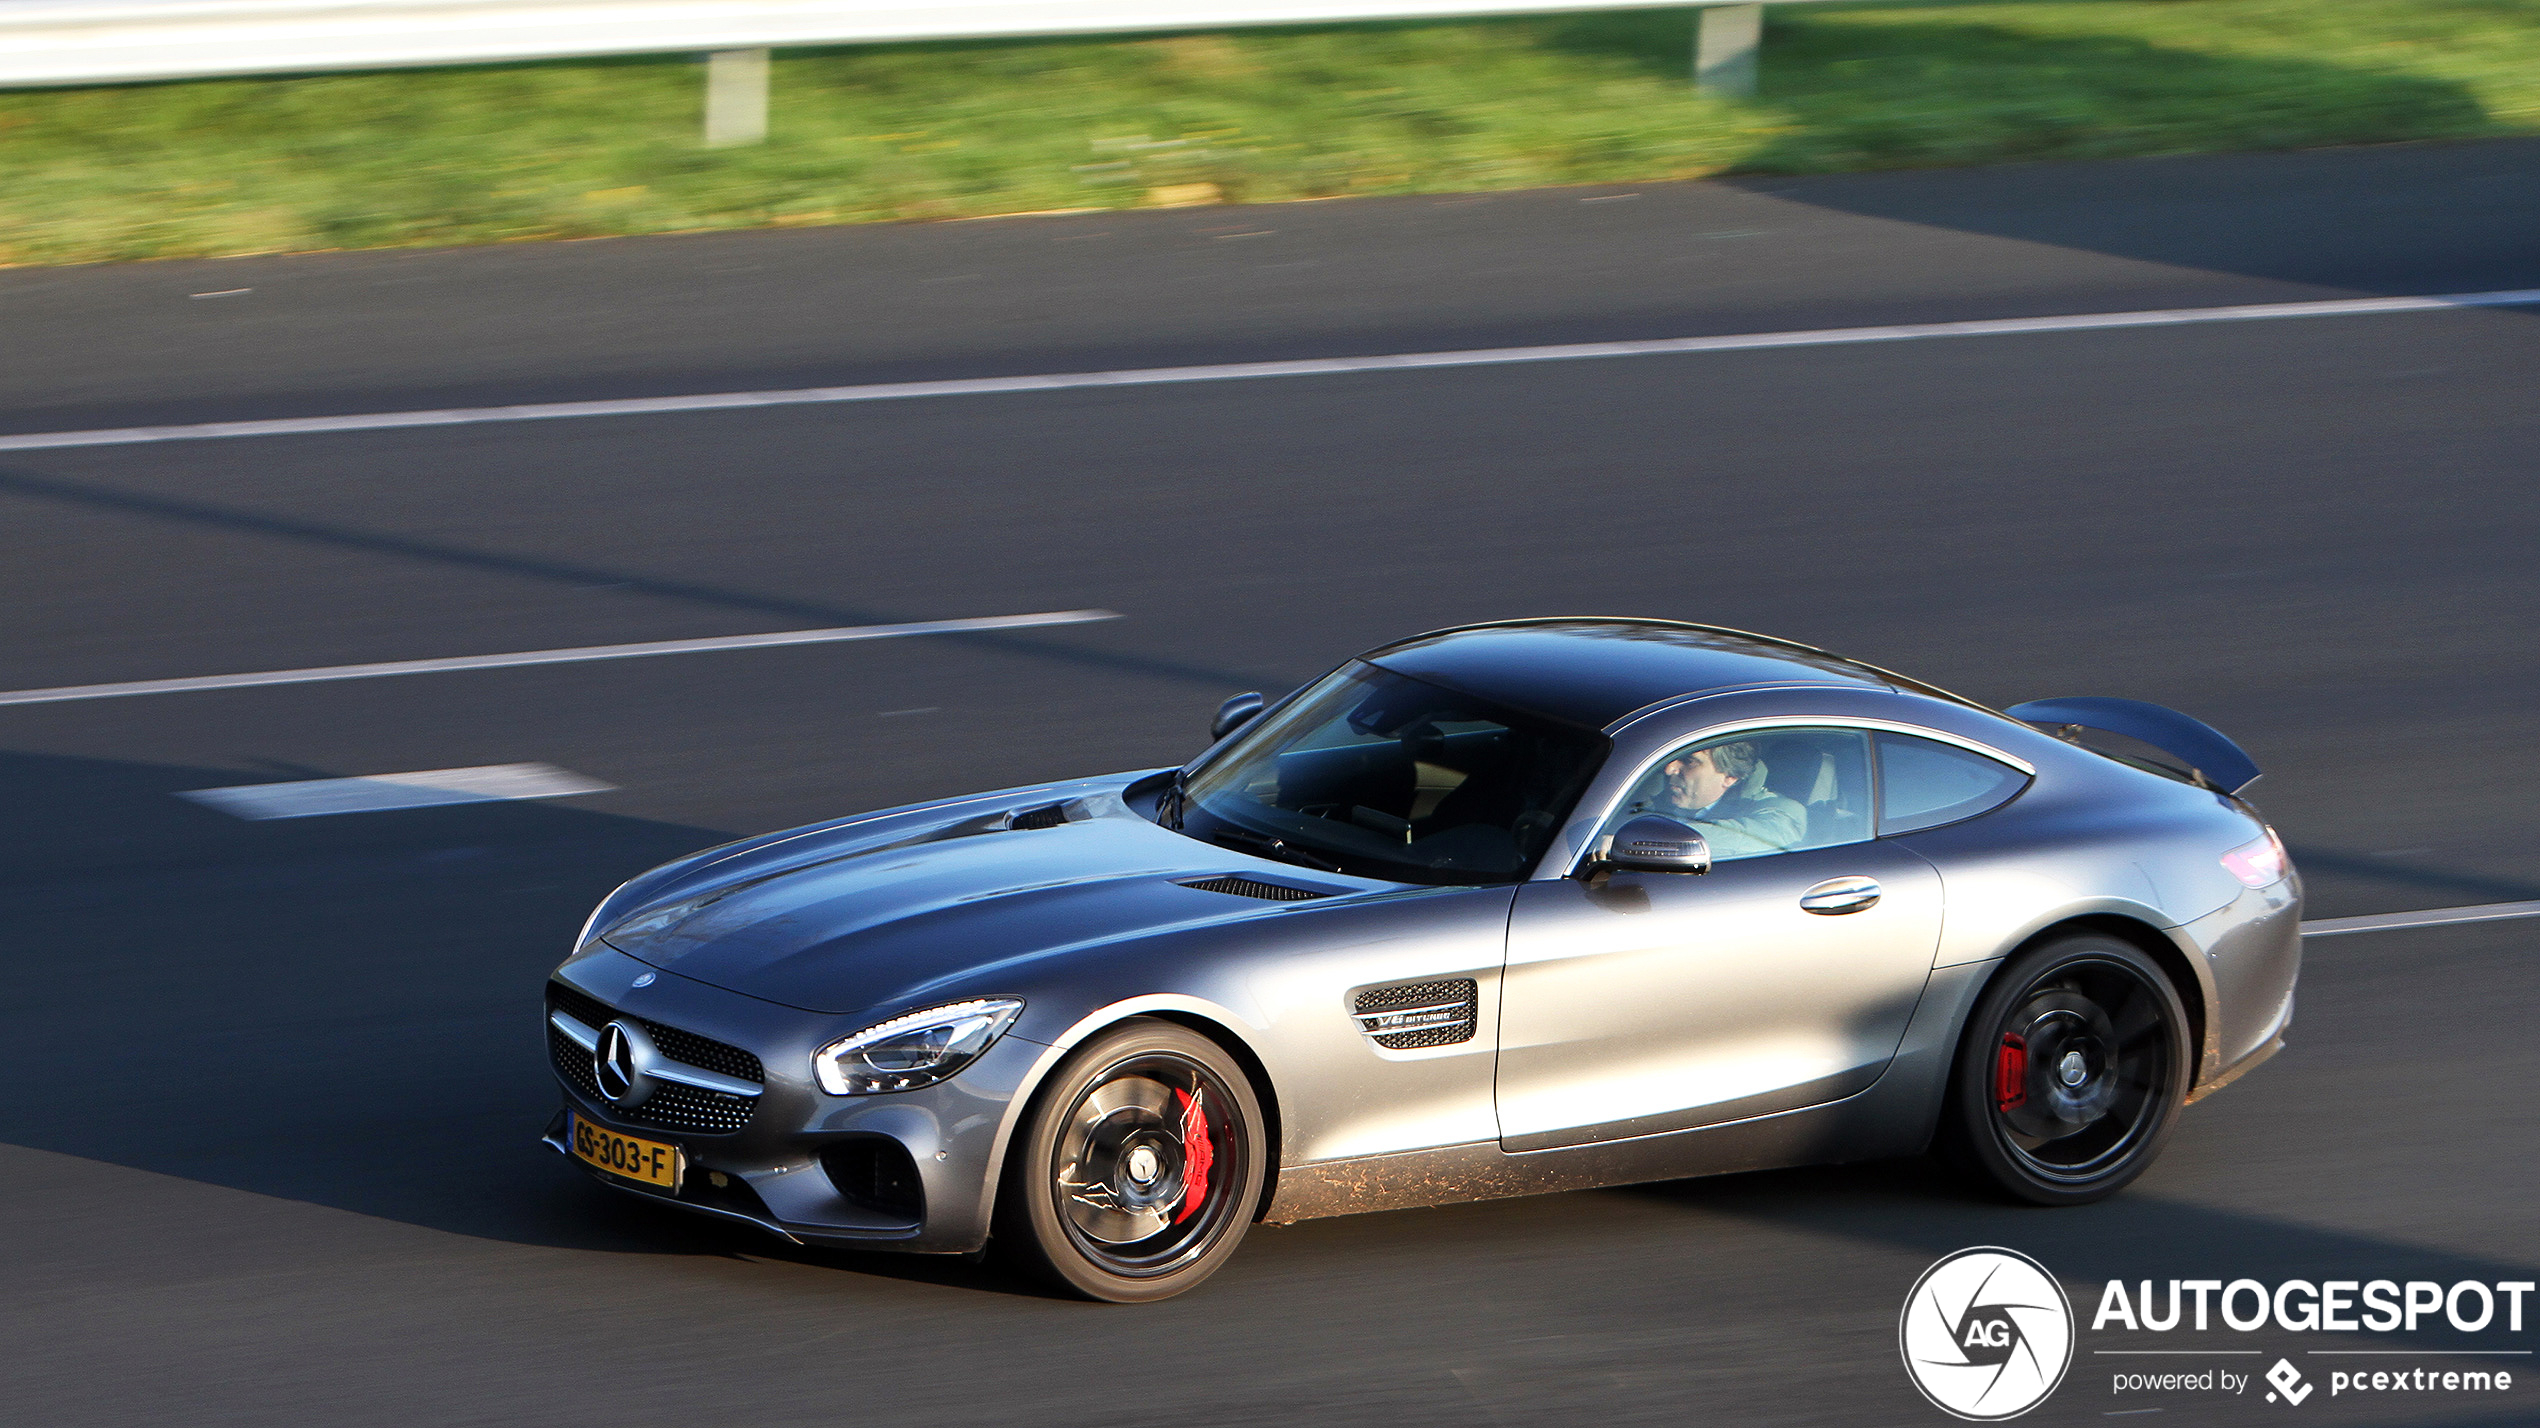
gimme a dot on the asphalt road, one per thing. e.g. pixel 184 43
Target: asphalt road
pixel 272 1158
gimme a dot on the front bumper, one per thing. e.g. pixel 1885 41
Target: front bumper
pixel 907 1170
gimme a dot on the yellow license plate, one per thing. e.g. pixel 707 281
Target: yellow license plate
pixel 649 1161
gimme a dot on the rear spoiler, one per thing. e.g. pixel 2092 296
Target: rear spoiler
pixel 2215 761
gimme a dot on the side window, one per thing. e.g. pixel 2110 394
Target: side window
pixel 1763 791
pixel 1923 784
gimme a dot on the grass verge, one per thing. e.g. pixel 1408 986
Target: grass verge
pixel 588 149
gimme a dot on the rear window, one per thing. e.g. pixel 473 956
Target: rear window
pixel 1923 784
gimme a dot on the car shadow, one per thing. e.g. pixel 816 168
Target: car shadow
pixel 1919 1205
pixel 340 1011
pixel 343 1011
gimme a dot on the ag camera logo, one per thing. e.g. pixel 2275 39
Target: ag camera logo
pixel 1986 1334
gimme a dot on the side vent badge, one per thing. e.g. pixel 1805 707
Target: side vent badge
pixel 1420 1014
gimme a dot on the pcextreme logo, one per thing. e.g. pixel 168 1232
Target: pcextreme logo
pixel 1986 1334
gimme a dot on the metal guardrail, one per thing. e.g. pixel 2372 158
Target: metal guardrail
pixel 85 42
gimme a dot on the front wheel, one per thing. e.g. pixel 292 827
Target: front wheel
pixel 1140 1168
pixel 2071 1073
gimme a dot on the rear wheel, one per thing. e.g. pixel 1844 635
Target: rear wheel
pixel 1138 1173
pixel 2071 1073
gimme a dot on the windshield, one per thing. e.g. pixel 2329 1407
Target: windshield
pixel 1382 776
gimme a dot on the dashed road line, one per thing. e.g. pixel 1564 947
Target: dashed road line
pixel 1246 371
pixel 70 692
pixel 2429 917
pixel 376 793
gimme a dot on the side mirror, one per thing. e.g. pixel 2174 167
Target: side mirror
pixel 1652 844
pixel 1233 715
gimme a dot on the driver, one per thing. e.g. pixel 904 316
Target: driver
pixel 1720 791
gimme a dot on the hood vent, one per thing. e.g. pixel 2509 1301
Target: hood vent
pixel 1048 815
pixel 1253 887
pixel 1421 1014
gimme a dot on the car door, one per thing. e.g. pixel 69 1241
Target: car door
pixel 1636 1003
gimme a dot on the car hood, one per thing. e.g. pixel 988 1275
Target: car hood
pixel 938 910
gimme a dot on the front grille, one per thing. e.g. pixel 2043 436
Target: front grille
pixel 573 1064
pixel 703 1052
pixel 671 1106
pixel 1253 887
pixel 590 1011
pixel 686 1108
pixel 1456 1004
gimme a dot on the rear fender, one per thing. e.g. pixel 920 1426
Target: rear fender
pixel 2159 938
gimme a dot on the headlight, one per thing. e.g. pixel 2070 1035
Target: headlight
pixel 918 1049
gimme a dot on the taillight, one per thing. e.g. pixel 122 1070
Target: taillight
pixel 2259 864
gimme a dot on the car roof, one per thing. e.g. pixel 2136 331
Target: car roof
pixel 1593 671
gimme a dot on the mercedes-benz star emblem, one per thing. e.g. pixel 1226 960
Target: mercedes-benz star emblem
pixel 613 1062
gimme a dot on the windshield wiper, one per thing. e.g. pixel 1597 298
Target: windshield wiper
pixel 1278 848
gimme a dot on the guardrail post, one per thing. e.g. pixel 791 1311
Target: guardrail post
pixel 1724 49
pixel 736 97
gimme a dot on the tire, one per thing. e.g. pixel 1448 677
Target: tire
pixel 2070 1075
pixel 1098 1198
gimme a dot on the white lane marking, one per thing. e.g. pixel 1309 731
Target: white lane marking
pixel 1244 371
pixel 312 798
pixel 2430 917
pixel 70 692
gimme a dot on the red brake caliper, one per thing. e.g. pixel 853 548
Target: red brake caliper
pixel 1197 1156
pixel 2010 1073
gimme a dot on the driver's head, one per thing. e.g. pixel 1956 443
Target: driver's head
pixel 1705 776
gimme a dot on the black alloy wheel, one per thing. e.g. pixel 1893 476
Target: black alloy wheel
pixel 2071 1073
pixel 1140 1168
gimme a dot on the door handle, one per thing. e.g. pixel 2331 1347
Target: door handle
pixel 1838 895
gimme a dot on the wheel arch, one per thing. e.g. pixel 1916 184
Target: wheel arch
pixel 1968 1146
pixel 1189 1014
pixel 1262 1090
pixel 2151 942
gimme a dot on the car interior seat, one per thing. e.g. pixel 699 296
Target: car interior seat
pixel 1828 774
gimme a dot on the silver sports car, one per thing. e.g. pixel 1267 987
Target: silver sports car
pixel 1497 910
